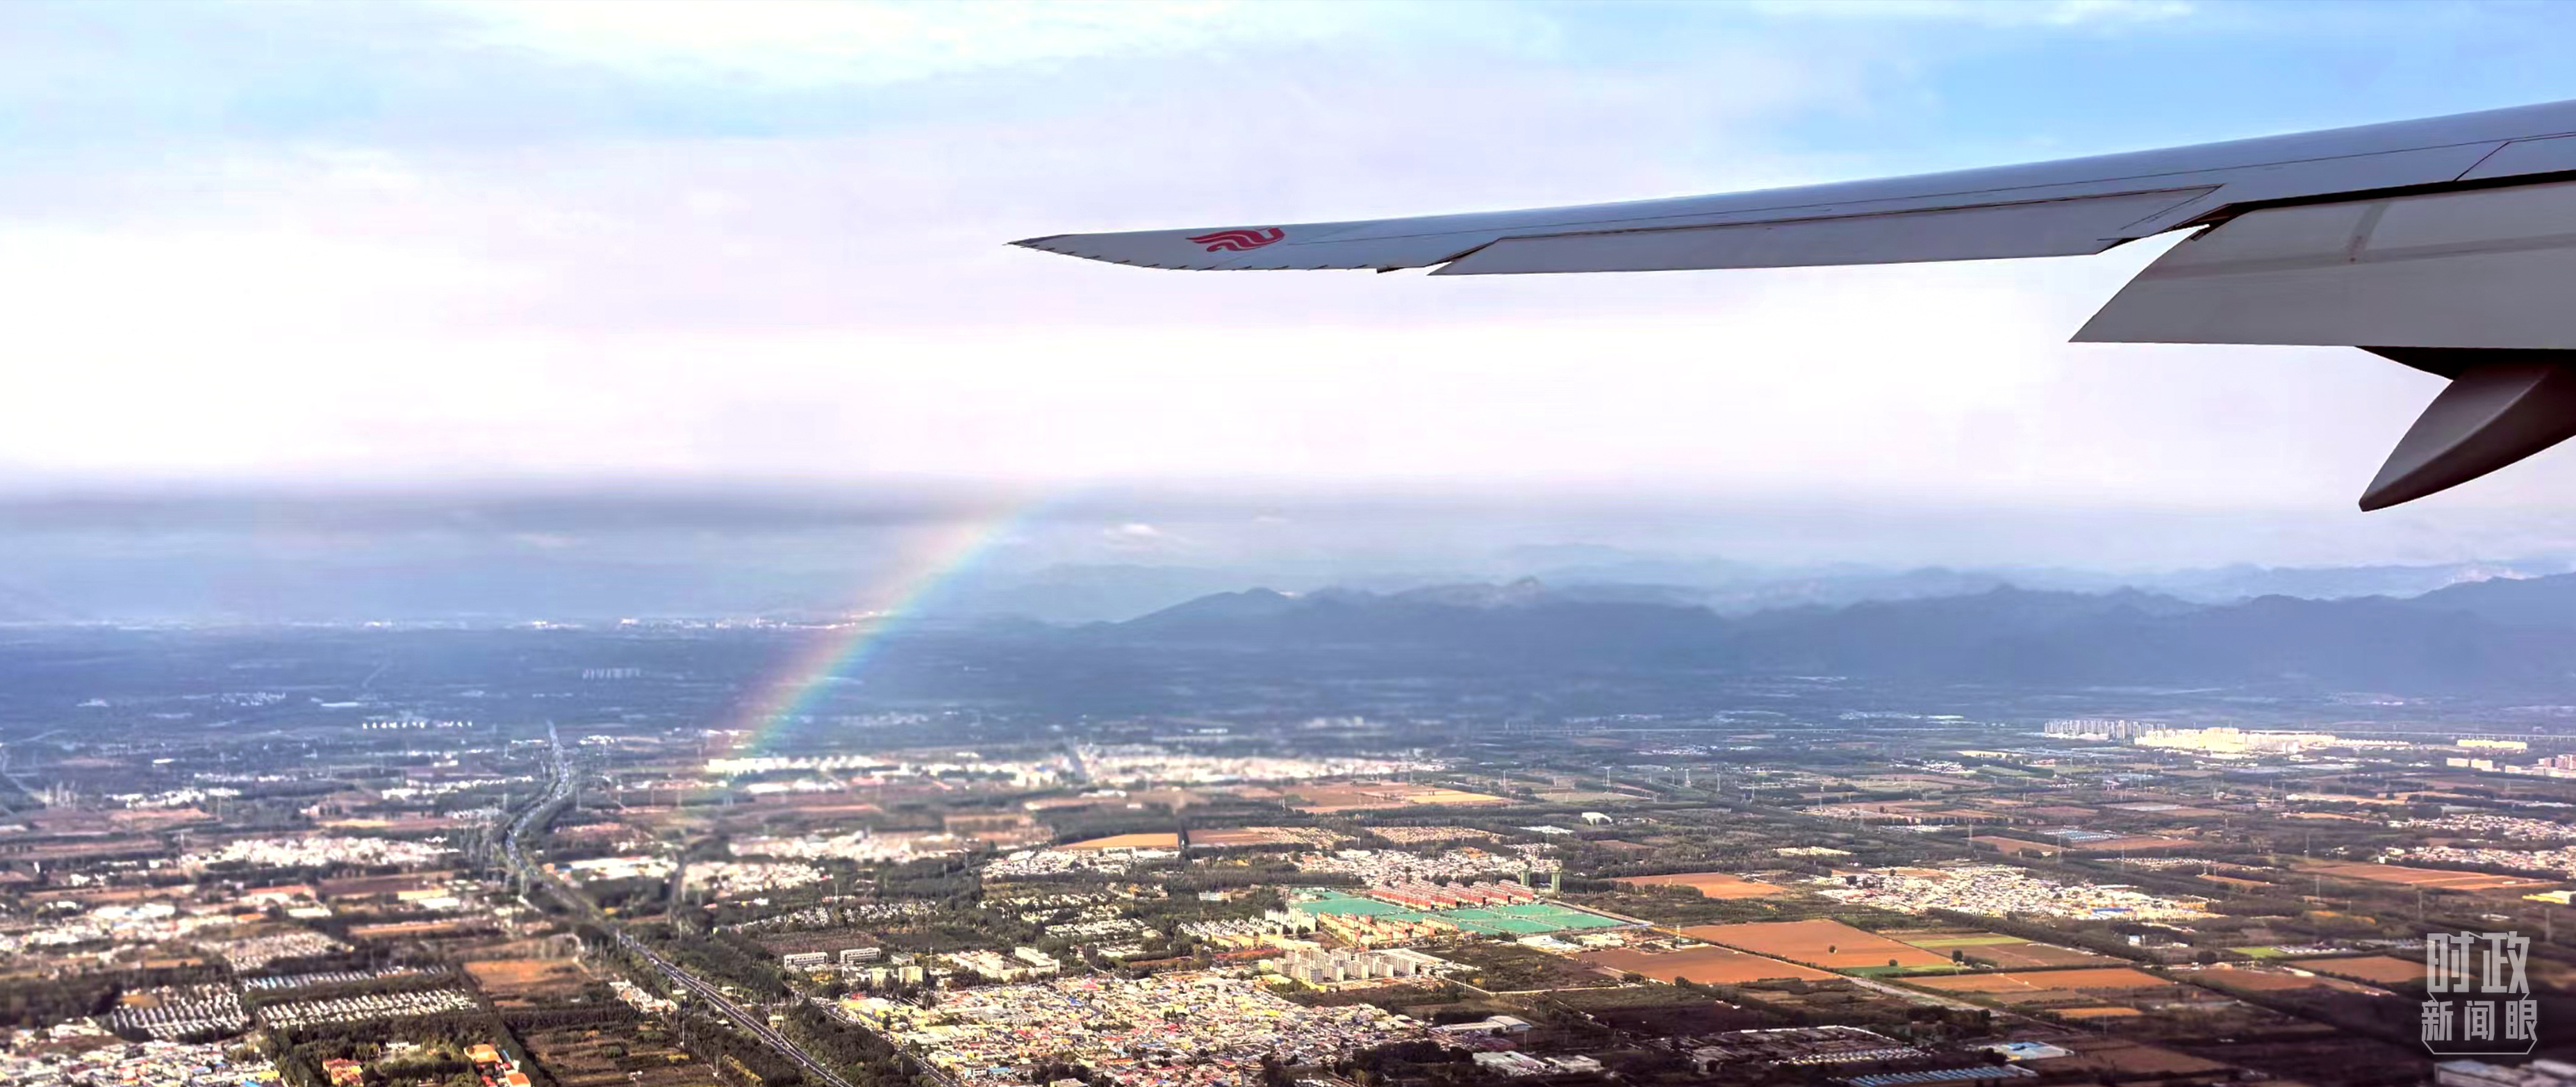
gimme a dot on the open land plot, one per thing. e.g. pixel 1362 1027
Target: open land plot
pixel 527 980
pixel 2029 983
pixel 2121 1057
pixel 1710 884
pixel 1369 796
pixel 2382 969
pixel 1822 941
pixel 2254 980
pixel 2097 1013
pixel 2014 847
pixel 2008 952
pixel 1659 1010
pixel 1162 840
pixel 1705 965
pixel 1512 968
pixel 612 1057
pixel 2424 877
pixel 2321 1055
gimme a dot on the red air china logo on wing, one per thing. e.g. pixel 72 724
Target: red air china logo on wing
pixel 1239 239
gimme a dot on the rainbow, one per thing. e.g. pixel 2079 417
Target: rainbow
pixel 925 564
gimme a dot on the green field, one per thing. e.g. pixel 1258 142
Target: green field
pixel 2259 952
pixel 1511 919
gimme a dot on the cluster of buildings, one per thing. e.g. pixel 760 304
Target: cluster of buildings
pixel 1995 890
pixel 1240 933
pixel 868 967
pixel 840 770
pixel 352 1009
pixel 2554 766
pixel 2232 741
pixel 1057 862
pixel 81 1055
pixel 2473 1073
pixel 1800 1046
pixel 636 997
pixel 1515 1064
pixel 1427 896
pixel 1021 964
pixel 139 924
pixel 2491 825
pixel 2559 861
pixel 281 982
pixel 1102 926
pixel 860 845
pixel 1387 867
pixel 180 1013
pixel 841 913
pixel 2099 728
pixel 1423 835
pixel 255 952
pixel 318 851
pixel 1169 1030
pixel 492 1067
pixel 1316 965
pixel 727 879
pixel 1138 764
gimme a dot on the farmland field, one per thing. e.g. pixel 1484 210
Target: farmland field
pixel 2008 952
pixel 511 981
pixel 2424 877
pixel 2381 969
pixel 2269 981
pixel 2101 978
pixel 1710 884
pixel 617 1056
pixel 1365 796
pixel 1822 941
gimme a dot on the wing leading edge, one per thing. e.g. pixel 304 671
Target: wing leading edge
pixel 2447 238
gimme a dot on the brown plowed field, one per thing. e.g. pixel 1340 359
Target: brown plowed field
pixel 1710 884
pixel 1823 941
pixel 2382 969
pixel 2423 877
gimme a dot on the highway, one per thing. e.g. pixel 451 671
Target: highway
pixel 559 791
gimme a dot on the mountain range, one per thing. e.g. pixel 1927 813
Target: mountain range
pixel 2498 634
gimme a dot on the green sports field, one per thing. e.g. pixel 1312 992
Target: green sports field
pixel 1510 919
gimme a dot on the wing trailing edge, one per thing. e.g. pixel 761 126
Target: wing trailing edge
pixel 2445 243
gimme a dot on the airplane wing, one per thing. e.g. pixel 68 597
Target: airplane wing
pixel 2441 243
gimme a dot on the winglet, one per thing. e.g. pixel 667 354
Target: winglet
pixel 2493 414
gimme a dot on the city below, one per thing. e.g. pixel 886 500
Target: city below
pixel 644 854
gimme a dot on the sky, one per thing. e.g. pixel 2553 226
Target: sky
pixel 308 251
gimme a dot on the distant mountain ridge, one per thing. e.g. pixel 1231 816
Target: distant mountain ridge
pixel 2519 633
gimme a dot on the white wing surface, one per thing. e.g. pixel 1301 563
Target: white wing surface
pixel 2434 242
